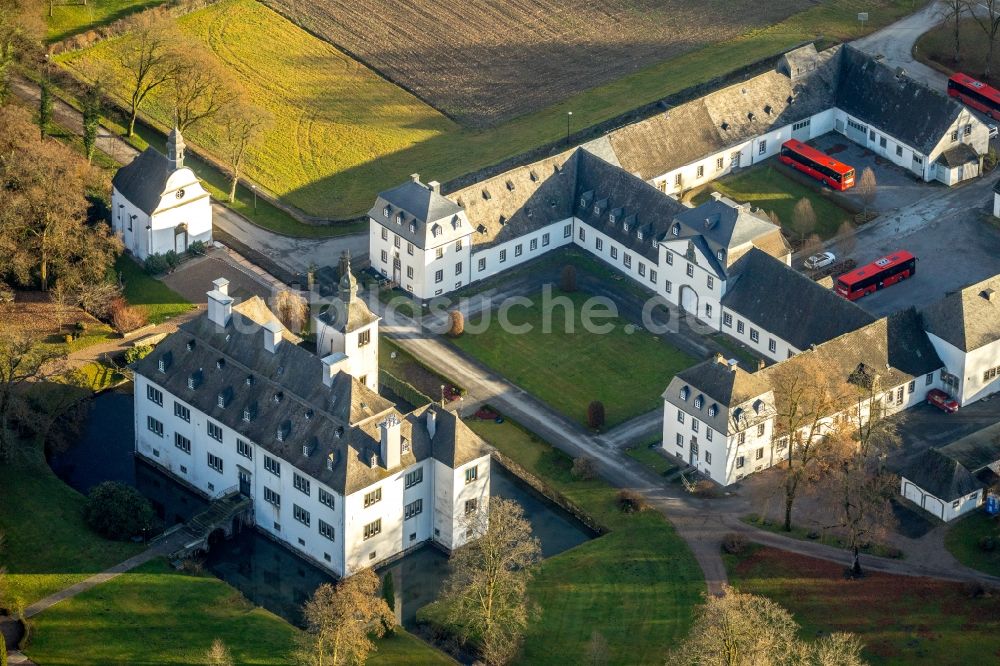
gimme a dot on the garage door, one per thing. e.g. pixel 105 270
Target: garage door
pixel 689 300
pixel 934 505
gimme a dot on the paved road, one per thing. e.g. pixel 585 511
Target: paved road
pixel 895 44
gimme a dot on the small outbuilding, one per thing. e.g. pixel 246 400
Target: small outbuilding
pixel 941 485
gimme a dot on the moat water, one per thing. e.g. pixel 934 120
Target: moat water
pixel 267 573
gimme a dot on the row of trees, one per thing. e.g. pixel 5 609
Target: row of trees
pixel 988 21
pixel 157 56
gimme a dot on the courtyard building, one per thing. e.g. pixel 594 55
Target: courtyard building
pixel 231 404
pixel 158 205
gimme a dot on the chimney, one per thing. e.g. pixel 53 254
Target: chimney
pixel 415 177
pixel 760 364
pixel 719 358
pixel 272 335
pixel 220 303
pixel 333 364
pixel 432 418
pixel 434 186
pixel 733 364
pixel 389 430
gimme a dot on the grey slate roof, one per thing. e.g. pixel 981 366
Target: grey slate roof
pixel 969 318
pixel 900 106
pixel 423 207
pixel 788 304
pixel 958 155
pixel 143 180
pixel 978 450
pixel 725 388
pixel 940 475
pixel 286 392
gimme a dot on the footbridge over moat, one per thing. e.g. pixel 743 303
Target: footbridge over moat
pixel 227 514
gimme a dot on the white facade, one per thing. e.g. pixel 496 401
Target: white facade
pixel 996 203
pixel 943 509
pixel 973 375
pixel 489 261
pixel 162 206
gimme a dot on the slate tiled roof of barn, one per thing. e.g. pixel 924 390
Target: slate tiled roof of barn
pixel 284 391
pixel 788 304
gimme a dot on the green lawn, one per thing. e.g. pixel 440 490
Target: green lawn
pixel 767 188
pixel 900 619
pixel 828 537
pixel 962 541
pixel 636 585
pixel 626 371
pixel 651 458
pixel 70 17
pixel 48 546
pixel 344 134
pixel 155 615
pixel 158 300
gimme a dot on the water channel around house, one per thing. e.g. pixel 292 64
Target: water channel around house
pixel 267 573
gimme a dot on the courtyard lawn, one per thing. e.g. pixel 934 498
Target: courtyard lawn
pixel 343 133
pixel 767 188
pixel 636 585
pixel 649 456
pixel 47 545
pixel 900 619
pixel 155 615
pixel 72 17
pixel 962 541
pixel 142 290
pixel 627 371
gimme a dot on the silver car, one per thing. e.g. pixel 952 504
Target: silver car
pixel 821 260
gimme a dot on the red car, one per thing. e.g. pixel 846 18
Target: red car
pixel 942 401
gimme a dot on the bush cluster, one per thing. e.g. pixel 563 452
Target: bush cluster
pixel 584 468
pixel 630 501
pixel 734 543
pixel 117 511
pixel 126 318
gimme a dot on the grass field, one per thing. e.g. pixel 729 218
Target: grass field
pixel 343 134
pixel 901 619
pixel 72 16
pixel 158 300
pixel 962 541
pixel 636 585
pixel 155 615
pixel 651 458
pixel 769 189
pixel 568 368
pixel 937 48
pixel 48 546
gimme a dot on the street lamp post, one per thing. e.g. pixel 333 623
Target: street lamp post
pixel 442 395
pixel 254 188
pixel 569 114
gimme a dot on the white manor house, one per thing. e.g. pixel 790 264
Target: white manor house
pixel 231 402
pixel 723 263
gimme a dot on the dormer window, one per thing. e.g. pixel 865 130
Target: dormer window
pixel 283 431
pixel 339 432
pixel 249 380
pixel 161 365
pixel 373 460
pixel 685 391
pixel 639 234
pixel 436 230
pixel 721 254
pixel 405 445
pixel 738 414
pixel 278 397
pixel 220 364
pixel 750 116
pixel 309 414
pixel 194 379
pixel 280 434
pixel 698 402
pixel 611 219
pixel 399 218
pixel 597 208
pixel 713 410
pixel 676 229
pixel 191 382
pixel 413 228
pixel 758 406
pixel 330 461
pixel 190 345
pixel 247 414
pixel 503 220
pixel 386 211
pixel 221 400
pixel 456 222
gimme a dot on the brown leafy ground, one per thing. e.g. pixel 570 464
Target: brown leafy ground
pixel 901 619
pixel 33 314
pixel 485 61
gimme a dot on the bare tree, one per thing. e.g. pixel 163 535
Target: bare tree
pixel 241 125
pixel 292 309
pixel 148 58
pixel 847 233
pixel 812 244
pixel 740 628
pixel 341 619
pixel 990 23
pixel 487 589
pixel 803 218
pixel 806 393
pixel 218 654
pixel 775 219
pixel 22 360
pixel 867 188
pixel 954 10
pixel 200 85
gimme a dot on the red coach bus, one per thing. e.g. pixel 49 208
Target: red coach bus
pixel 976 94
pixel 819 165
pixel 883 272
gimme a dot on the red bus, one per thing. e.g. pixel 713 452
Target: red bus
pixel 976 94
pixel 817 164
pixel 883 272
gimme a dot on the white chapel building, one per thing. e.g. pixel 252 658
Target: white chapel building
pixel 229 403
pixel 158 205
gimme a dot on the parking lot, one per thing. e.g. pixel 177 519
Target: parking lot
pixel 897 188
pixel 923 426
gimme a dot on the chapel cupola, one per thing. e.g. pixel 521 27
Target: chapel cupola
pixel 175 149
